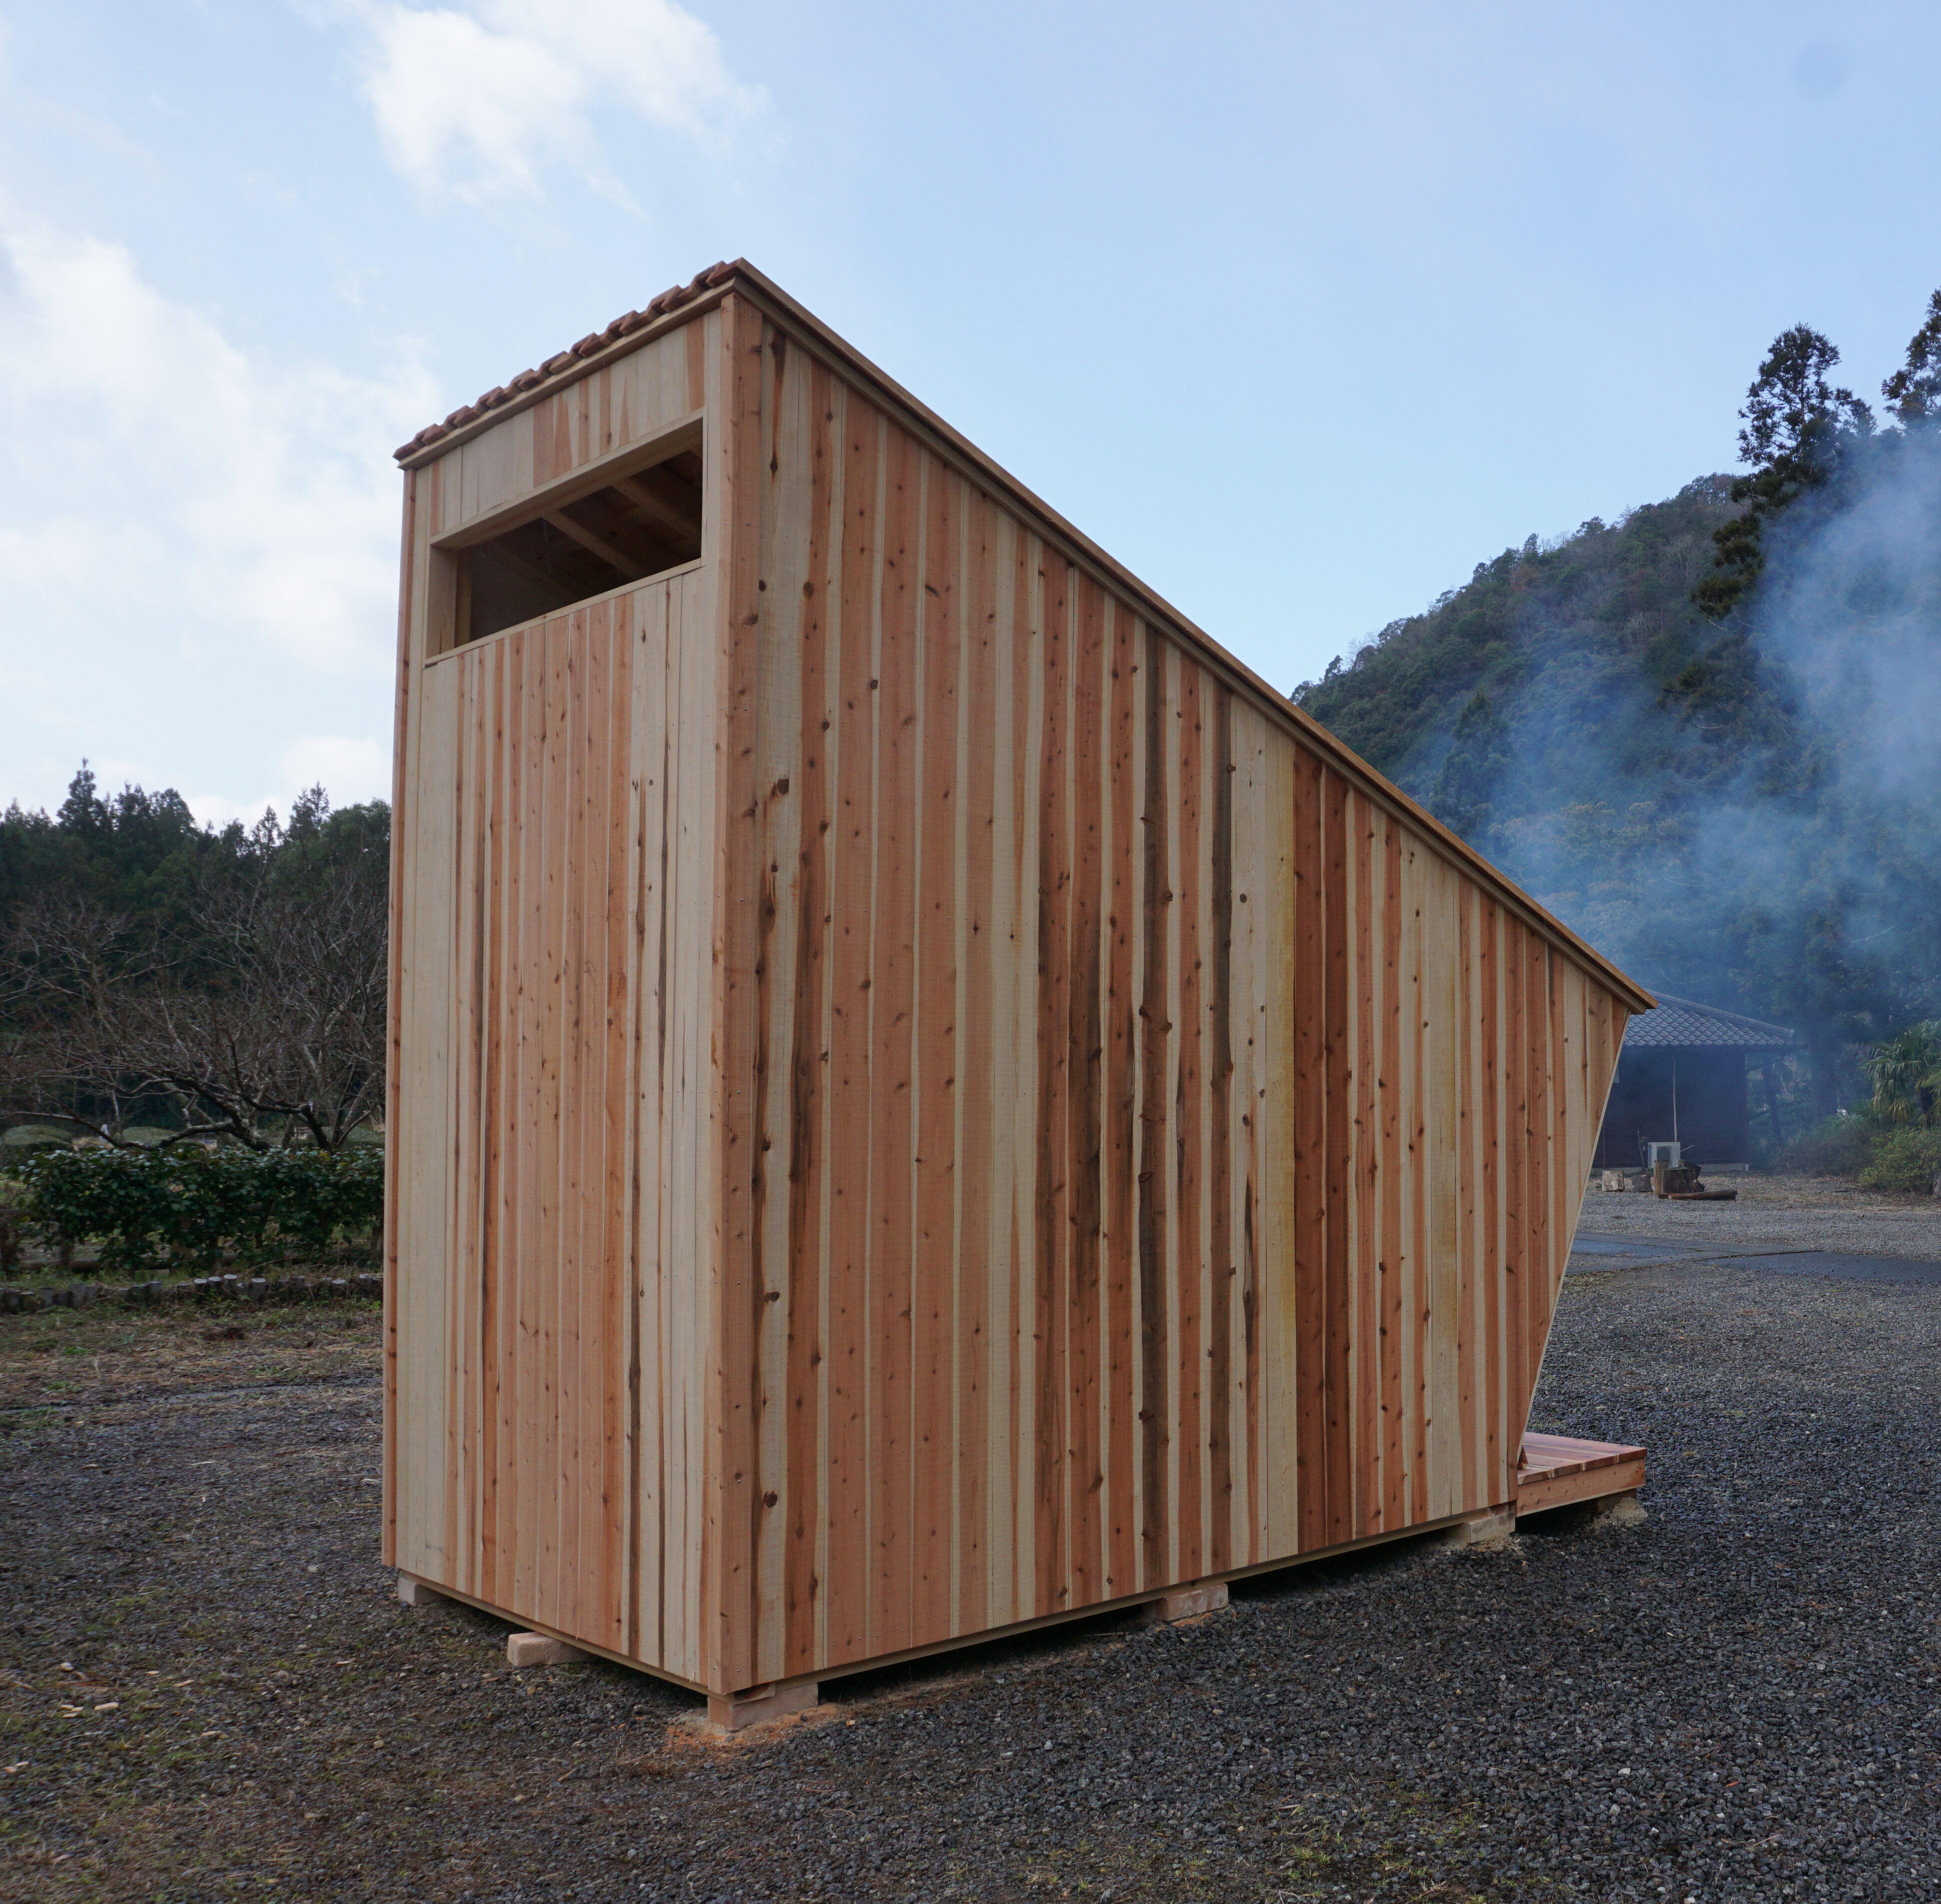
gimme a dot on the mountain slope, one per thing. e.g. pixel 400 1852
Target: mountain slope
pixel 1746 812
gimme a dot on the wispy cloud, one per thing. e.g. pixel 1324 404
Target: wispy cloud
pixel 473 101
pixel 238 495
pixel 183 523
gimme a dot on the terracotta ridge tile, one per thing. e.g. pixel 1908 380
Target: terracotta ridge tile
pixel 560 365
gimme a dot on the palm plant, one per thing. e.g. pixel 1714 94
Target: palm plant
pixel 1905 1074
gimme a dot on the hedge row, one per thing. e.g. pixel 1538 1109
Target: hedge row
pixel 188 1207
pixel 1878 1156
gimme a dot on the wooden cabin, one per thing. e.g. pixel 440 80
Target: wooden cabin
pixel 926 1098
pixel 1682 1077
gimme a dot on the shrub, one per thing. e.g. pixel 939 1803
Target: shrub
pixel 189 1207
pixel 1838 1147
pixel 1904 1160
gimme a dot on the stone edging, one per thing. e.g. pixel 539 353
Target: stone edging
pixel 202 1289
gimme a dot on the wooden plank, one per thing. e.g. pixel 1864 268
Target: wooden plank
pixel 734 1436
pixel 1538 1492
pixel 1444 1422
pixel 851 882
pixel 978 733
pixel 1122 852
pixel 1154 1175
pixel 892 1053
pixel 1015 1573
pixel 1282 1131
pixel 1310 1084
pixel 1365 1172
pixel 1190 1560
pixel 1337 1116
pixel 807 1133
pixel 938 899
pixel 1084 1055
pixel 1050 1429
pixel 1222 1271
pixel 1391 1256
pixel 404 809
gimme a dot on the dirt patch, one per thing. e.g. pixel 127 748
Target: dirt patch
pixel 72 1358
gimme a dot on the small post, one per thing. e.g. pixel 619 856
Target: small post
pixel 1184 1603
pixel 731 1712
pixel 541 1649
pixel 1492 1524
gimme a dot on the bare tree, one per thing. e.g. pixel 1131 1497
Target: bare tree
pixel 266 1007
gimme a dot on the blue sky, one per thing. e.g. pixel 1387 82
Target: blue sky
pixel 1299 311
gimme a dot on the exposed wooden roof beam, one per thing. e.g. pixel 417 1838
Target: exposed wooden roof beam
pixel 607 552
pixel 657 509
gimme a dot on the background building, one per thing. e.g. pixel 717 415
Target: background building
pixel 1682 1074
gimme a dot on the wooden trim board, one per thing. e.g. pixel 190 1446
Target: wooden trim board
pixel 1561 1472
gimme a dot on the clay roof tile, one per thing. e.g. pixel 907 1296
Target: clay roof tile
pixel 589 346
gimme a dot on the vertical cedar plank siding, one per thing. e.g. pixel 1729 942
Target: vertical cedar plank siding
pixel 1107 1029
pixel 554 1188
pixel 919 1106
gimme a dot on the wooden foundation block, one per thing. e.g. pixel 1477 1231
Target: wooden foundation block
pixel 540 1649
pixel 1184 1603
pixel 1496 1524
pixel 730 1711
pixel 415 1592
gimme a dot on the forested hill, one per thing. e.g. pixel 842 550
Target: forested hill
pixel 1741 805
pixel 1546 641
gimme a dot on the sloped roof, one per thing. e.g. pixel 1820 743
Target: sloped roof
pixel 680 303
pixel 1678 1021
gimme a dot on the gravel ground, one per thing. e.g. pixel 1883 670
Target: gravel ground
pixel 208 1689
pixel 1786 1213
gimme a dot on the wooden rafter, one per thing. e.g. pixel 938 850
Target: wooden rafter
pixel 608 552
pixel 662 513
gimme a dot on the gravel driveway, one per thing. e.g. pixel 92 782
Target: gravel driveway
pixel 1780 1213
pixel 208 1690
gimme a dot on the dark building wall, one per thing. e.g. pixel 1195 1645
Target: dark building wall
pixel 1711 1120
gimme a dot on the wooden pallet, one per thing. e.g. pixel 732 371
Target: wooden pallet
pixel 1556 1471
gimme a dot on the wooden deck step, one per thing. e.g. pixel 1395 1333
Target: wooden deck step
pixel 1556 1470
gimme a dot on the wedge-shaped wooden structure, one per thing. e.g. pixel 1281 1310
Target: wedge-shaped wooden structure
pixel 926 1098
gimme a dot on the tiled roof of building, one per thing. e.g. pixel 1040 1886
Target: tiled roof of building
pixel 1679 1021
pixel 566 362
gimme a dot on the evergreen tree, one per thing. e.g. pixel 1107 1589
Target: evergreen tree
pixel 1795 426
pixel 1913 393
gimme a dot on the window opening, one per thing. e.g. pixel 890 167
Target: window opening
pixel 634 527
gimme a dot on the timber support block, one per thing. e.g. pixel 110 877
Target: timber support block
pixel 540 1649
pixel 415 1592
pixel 731 1712
pixel 1184 1603
pixel 1492 1524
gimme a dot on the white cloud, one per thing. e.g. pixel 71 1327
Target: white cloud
pixel 471 102
pixel 196 541
pixel 152 470
pixel 350 768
